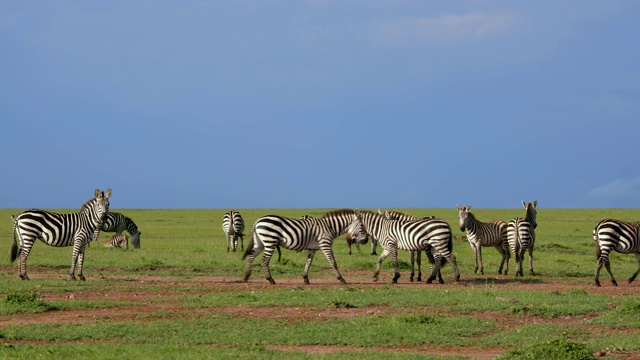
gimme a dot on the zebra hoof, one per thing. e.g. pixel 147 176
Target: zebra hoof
pixel 24 277
pixel 615 283
pixel 306 281
pixel 597 283
pixel 82 277
pixel 72 277
pixel 271 281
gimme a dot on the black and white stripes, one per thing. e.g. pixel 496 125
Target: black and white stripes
pixel 522 236
pixel 118 241
pixel 116 222
pixel 479 234
pixel 301 234
pixel 59 230
pixel 233 227
pixel 615 235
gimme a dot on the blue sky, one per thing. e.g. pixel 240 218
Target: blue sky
pixel 320 103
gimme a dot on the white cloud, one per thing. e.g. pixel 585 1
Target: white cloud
pixel 445 28
pixel 620 188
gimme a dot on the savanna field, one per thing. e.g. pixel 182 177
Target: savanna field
pixel 181 296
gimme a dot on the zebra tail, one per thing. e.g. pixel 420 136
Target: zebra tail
pixel 249 248
pixel 597 242
pixel 14 246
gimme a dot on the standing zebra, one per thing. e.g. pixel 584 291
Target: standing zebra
pixel 116 222
pixel 415 255
pixel 479 234
pixel 521 236
pixel 118 241
pixel 233 227
pixel 301 234
pixel 59 230
pixel 420 234
pixel 617 235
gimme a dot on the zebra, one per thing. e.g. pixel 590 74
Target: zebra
pixel 59 230
pixel 521 236
pixel 118 241
pixel 299 234
pixel 233 227
pixel 415 256
pixel 616 235
pixel 116 222
pixel 479 234
pixel 420 234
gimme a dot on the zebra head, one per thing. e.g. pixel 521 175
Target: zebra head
pixel 99 205
pixel 464 216
pixel 531 213
pixel 356 230
pixel 135 239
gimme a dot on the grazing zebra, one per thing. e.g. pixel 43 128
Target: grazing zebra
pixel 299 234
pixel 420 234
pixel 617 235
pixel 59 230
pixel 415 255
pixel 118 241
pixel 479 234
pixel 521 236
pixel 233 227
pixel 116 222
pixel 352 241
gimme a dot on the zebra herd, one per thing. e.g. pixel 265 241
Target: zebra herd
pixel 392 230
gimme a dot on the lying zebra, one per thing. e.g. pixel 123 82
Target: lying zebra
pixel 118 241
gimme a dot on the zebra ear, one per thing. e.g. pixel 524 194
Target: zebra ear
pixel 468 208
pixel 458 207
pixel 535 203
pixel 97 193
pixel 108 194
pixel 524 204
pixel 379 212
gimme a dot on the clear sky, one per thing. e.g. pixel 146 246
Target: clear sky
pixel 320 103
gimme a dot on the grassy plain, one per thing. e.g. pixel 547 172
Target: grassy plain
pixel 180 296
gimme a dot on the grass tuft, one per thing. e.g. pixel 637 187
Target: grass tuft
pixel 558 349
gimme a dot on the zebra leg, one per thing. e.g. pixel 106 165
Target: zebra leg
pixel 307 265
pixel 374 242
pixel 633 277
pixel 419 263
pixel 328 253
pixel 501 251
pixel 479 258
pixel 74 260
pixel 96 233
pixel 256 248
pixel 358 247
pixel 242 242
pixel 80 263
pixel 520 262
pixel 266 258
pixel 531 261
pixel 349 244
pixel 411 257
pixel 452 260
pixel 394 260
pixel 235 243
pixel 474 247
pixel 22 266
pixel 381 258
pixel 228 242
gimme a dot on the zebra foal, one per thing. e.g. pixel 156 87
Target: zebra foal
pixel 233 227
pixel 312 234
pixel 521 236
pixel 59 230
pixel 479 234
pixel 116 222
pixel 621 236
pixel 118 241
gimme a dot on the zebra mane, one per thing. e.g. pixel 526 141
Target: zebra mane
pixel 86 204
pixel 131 224
pixel 395 212
pixel 338 212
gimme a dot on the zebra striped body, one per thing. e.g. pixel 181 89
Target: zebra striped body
pixel 301 234
pixel 420 234
pixel 233 227
pixel 521 236
pixel 615 235
pixel 116 222
pixel 416 256
pixel 118 241
pixel 479 234
pixel 59 230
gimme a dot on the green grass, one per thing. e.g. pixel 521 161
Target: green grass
pixel 194 319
